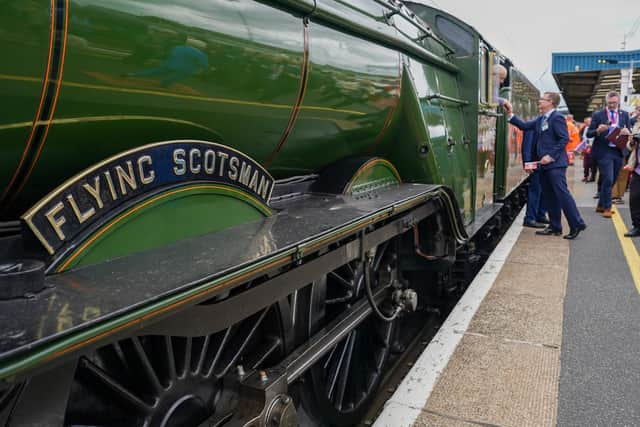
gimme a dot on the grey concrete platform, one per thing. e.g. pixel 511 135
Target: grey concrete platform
pixel 555 341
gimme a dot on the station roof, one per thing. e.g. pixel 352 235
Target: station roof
pixel 584 78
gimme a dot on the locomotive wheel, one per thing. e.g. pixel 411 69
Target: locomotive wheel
pixel 171 381
pixel 338 389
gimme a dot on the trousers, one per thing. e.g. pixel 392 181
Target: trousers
pixel 535 206
pixel 620 185
pixel 557 199
pixel 609 164
pixel 634 199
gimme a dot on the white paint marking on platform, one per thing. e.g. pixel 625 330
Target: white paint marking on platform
pixel 403 408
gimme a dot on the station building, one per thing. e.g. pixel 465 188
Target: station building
pixel 584 78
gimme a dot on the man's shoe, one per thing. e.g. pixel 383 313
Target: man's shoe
pixel 608 213
pixel 534 224
pixel 600 209
pixel 634 232
pixel 548 231
pixel 543 221
pixel 574 233
pixel 597 196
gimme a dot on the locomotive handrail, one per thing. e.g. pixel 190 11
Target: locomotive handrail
pixel 488 112
pixel 447 98
pixel 313 10
pixel 411 17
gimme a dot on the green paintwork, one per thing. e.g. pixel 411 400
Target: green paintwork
pixel 24 34
pixel 374 174
pixel 233 72
pixel 177 214
pixel 499 163
pixel 215 70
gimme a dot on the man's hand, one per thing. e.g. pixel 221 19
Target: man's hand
pixel 508 108
pixel 546 159
pixel 602 128
pixel 625 132
pixel 529 171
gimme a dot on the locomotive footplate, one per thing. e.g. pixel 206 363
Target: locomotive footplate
pixel 86 308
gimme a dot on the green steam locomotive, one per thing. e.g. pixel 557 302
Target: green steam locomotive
pixel 230 212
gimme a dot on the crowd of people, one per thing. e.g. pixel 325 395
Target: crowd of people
pixel 608 144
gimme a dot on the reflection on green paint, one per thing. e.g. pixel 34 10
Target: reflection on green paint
pixel 165 218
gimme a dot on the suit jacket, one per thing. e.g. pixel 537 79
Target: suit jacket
pixel 600 143
pixel 551 141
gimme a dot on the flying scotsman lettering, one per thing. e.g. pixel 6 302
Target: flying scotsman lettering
pixel 127 179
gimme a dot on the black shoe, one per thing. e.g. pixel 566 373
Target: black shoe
pixel 597 196
pixel 634 232
pixel 543 221
pixel 534 224
pixel 574 233
pixel 549 232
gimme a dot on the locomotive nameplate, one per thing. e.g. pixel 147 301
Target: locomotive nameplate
pixel 93 194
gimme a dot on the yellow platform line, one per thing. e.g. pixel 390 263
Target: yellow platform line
pixel 628 248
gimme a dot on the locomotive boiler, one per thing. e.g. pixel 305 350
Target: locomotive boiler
pixel 228 212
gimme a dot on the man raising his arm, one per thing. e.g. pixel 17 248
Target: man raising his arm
pixel 551 139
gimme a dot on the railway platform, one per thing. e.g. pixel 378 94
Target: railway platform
pixel 547 334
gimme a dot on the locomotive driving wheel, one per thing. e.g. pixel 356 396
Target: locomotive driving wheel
pixel 172 381
pixel 338 389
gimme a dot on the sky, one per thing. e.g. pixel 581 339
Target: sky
pixel 528 32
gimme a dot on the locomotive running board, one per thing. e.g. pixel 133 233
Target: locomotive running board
pixel 94 305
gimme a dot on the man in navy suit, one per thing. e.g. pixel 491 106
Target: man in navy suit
pixel 606 154
pixel 551 138
pixel 535 216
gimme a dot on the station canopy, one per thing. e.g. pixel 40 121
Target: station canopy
pixel 584 78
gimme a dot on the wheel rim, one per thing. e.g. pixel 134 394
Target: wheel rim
pixel 171 381
pixel 340 386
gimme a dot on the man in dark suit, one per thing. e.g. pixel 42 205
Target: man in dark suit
pixel 535 216
pixel 606 154
pixel 551 137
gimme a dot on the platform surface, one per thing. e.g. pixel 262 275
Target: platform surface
pixel 546 335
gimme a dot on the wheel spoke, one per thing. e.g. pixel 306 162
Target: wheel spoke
pixel 352 272
pixel 240 348
pixel 347 284
pixel 344 374
pixel 335 368
pixel 117 390
pixel 221 345
pixel 170 361
pixel 203 354
pixel 329 357
pixel 159 380
pixel 147 368
pixel 186 361
pixel 269 349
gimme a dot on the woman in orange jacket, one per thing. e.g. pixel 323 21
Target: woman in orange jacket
pixel 574 138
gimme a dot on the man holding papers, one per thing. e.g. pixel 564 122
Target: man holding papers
pixel 551 137
pixel 608 156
